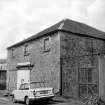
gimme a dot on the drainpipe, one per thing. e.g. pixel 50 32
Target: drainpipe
pixel 60 76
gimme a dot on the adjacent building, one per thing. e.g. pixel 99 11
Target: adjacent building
pixel 70 56
pixel 3 74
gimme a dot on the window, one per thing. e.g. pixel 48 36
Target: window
pixel 46 44
pixel 26 50
pixel 26 86
pixel 85 75
pixel 37 85
pixel 22 86
pixel 89 44
pixel 13 53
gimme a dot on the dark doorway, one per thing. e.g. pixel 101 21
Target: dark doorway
pixel 2 80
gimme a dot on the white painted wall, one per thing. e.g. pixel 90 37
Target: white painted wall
pixel 22 76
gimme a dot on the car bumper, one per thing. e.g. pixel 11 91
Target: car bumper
pixel 41 97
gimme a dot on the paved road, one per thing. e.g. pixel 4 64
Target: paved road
pixel 7 101
pixel 56 101
pixel 38 103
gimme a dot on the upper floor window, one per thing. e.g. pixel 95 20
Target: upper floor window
pixel 46 44
pixel 26 50
pixel 13 52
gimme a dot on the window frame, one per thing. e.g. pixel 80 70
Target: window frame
pixel 12 52
pixel 26 50
pixel 46 46
pixel 85 75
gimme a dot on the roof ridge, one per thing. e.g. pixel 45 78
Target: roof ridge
pixel 61 25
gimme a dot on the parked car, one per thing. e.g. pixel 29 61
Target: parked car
pixel 32 91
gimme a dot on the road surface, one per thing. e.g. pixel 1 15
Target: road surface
pixel 56 101
pixel 8 101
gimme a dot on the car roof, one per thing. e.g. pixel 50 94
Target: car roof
pixel 33 82
pixel 37 82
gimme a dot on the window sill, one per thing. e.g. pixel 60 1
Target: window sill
pixel 47 50
pixel 27 54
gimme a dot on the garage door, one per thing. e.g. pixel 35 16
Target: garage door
pixel 22 76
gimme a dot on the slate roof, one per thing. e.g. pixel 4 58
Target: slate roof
pixel 68 26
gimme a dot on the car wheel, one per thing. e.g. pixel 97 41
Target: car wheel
pixel 48 100
pixel 13 99
pixel 27 101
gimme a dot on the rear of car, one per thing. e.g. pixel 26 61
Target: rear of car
pixel 40 91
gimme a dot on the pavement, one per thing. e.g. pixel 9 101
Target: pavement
pixel 57 100
pixel 66 101
pixel 4 100
pixel 4 92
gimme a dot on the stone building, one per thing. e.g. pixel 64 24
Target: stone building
pixel 68 55
pixel 3 74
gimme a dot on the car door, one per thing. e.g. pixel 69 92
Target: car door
pixel 22 92
pixel 26 90
pixel 19 93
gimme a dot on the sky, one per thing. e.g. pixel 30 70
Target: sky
pixel 20 19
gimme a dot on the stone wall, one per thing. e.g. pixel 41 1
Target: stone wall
pixel 79 53
pixel 68 53
pixel 46 64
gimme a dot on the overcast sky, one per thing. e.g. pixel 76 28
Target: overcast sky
pixel 20 19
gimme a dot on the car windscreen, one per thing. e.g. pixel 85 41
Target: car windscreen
pixel 37 85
